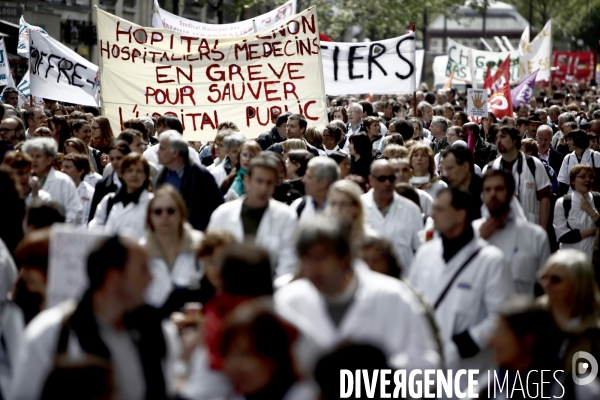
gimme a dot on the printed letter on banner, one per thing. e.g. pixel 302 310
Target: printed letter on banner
pixel 383 67
pixel 58 73
pixel 166 20
pixel 203 81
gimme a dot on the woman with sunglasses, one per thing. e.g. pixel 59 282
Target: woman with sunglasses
pixel 172 244
pixel 126 209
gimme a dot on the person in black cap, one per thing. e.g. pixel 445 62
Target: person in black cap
pixel 534 123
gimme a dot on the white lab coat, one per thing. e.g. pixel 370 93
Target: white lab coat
pixel 471 303
pixel 527 185
pixel 62 190
pixel 86 194
pixel 525 246
pixel 275 232
pixel 121 219
pixel 578 219
pixel 426 201
pixel 384 313
pixel 42 195
pixel 38 352
pixel 219 173
pixel 400 226
pixel 570 161
pixel 92 178
pixel 185 272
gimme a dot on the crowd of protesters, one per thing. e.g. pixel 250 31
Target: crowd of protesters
pixel 403 235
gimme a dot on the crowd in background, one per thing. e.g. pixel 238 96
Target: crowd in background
pixel 405 234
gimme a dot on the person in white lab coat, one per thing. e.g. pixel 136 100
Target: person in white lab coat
pixel 533 187
pixel 257 217
pixel 404 173
pixel 524 244
pixel 392 216
pixel 172 244
pixel 344 301
pixel 465 280
pixel 76 167
pixel 58 185
pixel 580 153
pixel 321 173
pixel 126 209
pixel 110 322
pixel 576 217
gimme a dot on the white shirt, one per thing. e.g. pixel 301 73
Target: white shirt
pixel 86 194
pixel 526 248
pixel 589 157
pixel 308 211
pixel 92 178
pixel 130 219
pixel 62 190
pixel 400 226
pixel 275 232
pixel 384 313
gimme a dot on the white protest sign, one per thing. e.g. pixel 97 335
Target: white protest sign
pixel 58 73
pixel 204 81
pixel 458 61
pixel 24 89
pixel 5 77
pixel 24 28
pixel 166 20
pixel 477 102
pixel 382 67
pixel 419 59
pixel 536 54
pixel 67 262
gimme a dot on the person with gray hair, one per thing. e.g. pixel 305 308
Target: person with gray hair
pixel 193 181
pixel 438 128
pixel 59 185
pixel 340 299
pixel 560 123
pixel 232 143
pixel 320 174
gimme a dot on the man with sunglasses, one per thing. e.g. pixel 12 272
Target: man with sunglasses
pixel 392 216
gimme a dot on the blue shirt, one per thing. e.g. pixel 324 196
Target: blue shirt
pixel 175 177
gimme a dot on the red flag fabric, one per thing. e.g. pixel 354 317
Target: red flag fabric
pixel 487 81
pixel 501 76
pixel 500 103
pixel 324 38
pixel 412 28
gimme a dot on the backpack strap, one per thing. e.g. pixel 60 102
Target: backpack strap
pixel 301 207
pixel 111 202
pixel 567 206
pixel 531 164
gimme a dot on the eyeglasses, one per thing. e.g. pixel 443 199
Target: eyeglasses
pixel 159 211
pixel 383 178
pixel 7 129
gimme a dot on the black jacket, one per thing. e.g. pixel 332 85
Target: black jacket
pixel 200 192
pixel 555 160
pixel 278 149
pixel 484 153
pixel 103 187
pixel 267 139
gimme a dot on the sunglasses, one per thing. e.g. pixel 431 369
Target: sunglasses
pixel 383 178
pixel 159 211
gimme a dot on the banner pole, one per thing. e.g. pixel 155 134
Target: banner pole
pixel 415 103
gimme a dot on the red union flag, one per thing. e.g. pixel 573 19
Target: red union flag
pixel 501 77
pixel 500 103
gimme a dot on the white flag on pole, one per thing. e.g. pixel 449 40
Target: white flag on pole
pixel 24 28
pixel 536 54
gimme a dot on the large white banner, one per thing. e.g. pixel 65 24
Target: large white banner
pixel 166 20
pixel 24 28
pixel 58 73
pixel 204 81
pixel 458 61
pixel 537 54
pixel 382 67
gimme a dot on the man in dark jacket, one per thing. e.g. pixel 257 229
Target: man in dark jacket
pixel 194 182
pixel 295 127
pixel 277 134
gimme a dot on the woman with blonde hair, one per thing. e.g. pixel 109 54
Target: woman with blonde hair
pixel 292 144
pixel 423 166
pixel 314 137
pixel 344 201
pixel 172 245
